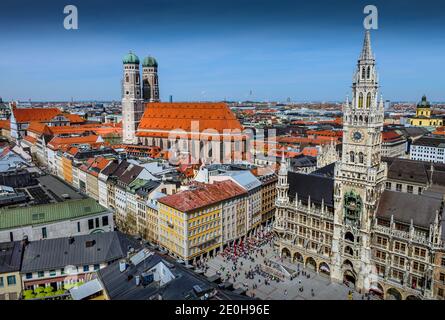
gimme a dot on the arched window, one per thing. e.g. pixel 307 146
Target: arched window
pixel 363 73
pixel 368 72
pixel 360 100
pixel 127 78
pixel 368 100
pixel 352 156
pixel 361 158
pixel 349 236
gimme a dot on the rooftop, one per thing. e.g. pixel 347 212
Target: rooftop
pixel 181 115
pixel 76 251
pixel 406 207
pixel 35 114
pixel 46 213
pixel 202 196
pixel 10 256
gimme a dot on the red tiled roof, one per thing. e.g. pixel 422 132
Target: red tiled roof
pixel 204 195
pixel 5 124
pixel 74 118
pixel 179 115
pixel 35 114
pixel 39 128
pixel 30 139
pixel 58 142
pixel 390 136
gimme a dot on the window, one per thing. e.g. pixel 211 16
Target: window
pixel 368 72
pixel 11 281
pixel 396 274
pixel 96 267
pixel 398 187
pixel 388 185
pixel 368 100
pixel 86 268
pixel 398 246
pixel 41 274
pixel 97 222
pixel 52 273
pixel 1 282
pixel 105 220
pixel 382 241
pixel 361 157
pixel 352 156
pixel 44 234
pixel 360 99
pixel 420 267
pixel 443 262
pixel 78 226
pixel 380 270
pixel 442 277
pixel 399 261
pixel 90 224
pixel 440 292
pixel 29 275
pixel 409 189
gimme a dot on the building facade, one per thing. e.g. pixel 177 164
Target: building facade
pixel 424 116
pixel 345 225
pixel 428 149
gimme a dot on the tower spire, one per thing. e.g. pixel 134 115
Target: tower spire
pixel 367 51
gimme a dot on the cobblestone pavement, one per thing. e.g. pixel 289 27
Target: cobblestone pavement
pixel 287 289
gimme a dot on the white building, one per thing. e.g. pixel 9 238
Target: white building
pixel 428 149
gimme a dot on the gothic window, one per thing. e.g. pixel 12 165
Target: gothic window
pixel 360 100
pixel 368 72
pixel 361 157
pixel 368 100
pixel 349 236
pixel 363 73
pixel 127 78
pixel 352 156
pixel 137 79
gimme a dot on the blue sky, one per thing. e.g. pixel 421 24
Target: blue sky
pixel 214 49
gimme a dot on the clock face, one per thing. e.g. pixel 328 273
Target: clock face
pixel 357 136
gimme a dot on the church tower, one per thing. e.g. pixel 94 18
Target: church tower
pixel 150 85
pixel 132 103
pixel 359 176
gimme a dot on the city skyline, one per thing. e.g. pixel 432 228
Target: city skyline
pixel 293 51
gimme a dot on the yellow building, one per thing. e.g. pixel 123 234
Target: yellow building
pixel 10 281
pixel 423 117
pixel 190 222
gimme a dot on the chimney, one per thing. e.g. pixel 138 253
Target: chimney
pixel 25 241
pixel 122 265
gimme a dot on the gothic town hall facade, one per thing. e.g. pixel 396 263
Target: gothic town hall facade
pixel 345 221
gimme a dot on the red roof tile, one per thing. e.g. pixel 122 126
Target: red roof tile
pixel 170 116
pixel 35 114
pixel 204 195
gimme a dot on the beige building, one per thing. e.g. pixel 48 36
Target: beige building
pixel 11 254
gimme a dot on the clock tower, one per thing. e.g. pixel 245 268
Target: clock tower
pixel 359 176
